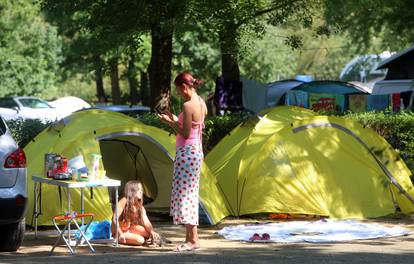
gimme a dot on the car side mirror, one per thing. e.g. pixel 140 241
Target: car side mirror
pixel 16 108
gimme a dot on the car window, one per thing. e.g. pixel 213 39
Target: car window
pixel 3 127
pixel 7 103
pixel 33 103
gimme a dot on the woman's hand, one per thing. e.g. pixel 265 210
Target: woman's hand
pixel 173 117
pixel 165 118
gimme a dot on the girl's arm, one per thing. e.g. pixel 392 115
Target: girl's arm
pixel 121 206
pixel 148 226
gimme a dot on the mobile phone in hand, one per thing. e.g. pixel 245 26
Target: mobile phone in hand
pixel 159 111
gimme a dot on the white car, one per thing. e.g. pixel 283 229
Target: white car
pixel 27 107
pixel 13 191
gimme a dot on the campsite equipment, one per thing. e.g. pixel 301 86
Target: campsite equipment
pixel 69 219
pixel 60 165
pixel 76 162
pixel 94 165
pixel 49 157
pixel 290 160
pixel 62 176
pixel 82 174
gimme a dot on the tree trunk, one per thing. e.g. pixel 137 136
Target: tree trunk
pixel 132 80
pixel 159 68
pixel 116 91
pixel 100 92
pixel 228 45
pixel 145 90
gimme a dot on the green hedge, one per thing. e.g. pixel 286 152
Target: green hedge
pixel 397 129
pixel 216 128
pixel 24 131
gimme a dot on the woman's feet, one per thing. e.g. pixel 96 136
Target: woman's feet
pixel 188 246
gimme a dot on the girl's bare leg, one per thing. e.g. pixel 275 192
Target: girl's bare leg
pixel 132 239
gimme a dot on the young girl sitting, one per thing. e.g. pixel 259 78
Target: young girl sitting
pixel 134 225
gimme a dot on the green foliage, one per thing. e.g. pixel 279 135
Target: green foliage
pixel 198 52
pixel 216 127
pixel 397 129
pixel 364 20
pixel 24 131
pixel 30 50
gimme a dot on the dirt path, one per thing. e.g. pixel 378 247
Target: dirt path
pixel 217 250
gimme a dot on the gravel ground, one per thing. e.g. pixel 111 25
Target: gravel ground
pixel 215 249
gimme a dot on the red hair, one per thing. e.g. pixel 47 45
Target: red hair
pixel 130 193
pixel 188 79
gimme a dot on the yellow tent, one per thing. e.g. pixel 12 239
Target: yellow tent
pixel 129 149
pixel 292 161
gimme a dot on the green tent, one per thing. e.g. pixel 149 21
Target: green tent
pixel 290 160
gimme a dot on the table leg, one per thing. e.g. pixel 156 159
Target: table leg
pixel 116 216
pixel 69 212
pixel 35 207
pixel 82 204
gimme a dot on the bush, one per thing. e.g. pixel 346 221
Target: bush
pixel 396 128
pixel 216 128
pixel 25 130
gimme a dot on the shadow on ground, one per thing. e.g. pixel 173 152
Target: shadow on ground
pixel 215 249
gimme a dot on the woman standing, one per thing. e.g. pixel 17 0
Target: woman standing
pixel 188 159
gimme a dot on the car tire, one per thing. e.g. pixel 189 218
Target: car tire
pixel 11 236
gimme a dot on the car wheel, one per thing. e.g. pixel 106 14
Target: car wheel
pixel 11 236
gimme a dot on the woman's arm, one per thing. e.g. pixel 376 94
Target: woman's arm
pixel 187 120
pixel 171 120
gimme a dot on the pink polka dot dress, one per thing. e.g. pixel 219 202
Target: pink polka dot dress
pixel 187 166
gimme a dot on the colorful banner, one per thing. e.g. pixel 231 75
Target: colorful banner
pixel 325 101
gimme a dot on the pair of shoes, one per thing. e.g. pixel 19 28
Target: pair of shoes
pixel 186 247
pixel 264 236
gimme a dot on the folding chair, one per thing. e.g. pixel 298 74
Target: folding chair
pixel 71 218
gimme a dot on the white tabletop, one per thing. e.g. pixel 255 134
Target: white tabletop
pixel 78 184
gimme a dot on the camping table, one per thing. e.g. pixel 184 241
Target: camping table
pixel 37 180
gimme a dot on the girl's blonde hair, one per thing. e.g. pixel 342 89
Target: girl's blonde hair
pixel 130 193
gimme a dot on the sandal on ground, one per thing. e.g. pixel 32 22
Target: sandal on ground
pixel 255 237
pixel 186 247
pixel 265 236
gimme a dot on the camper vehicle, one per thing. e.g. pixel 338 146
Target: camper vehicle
pixel 13 191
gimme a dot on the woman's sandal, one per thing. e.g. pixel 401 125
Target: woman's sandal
pixel 186 247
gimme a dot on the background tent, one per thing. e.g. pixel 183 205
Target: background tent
pixel 292 161
pixel 258 96
pixel 130 150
